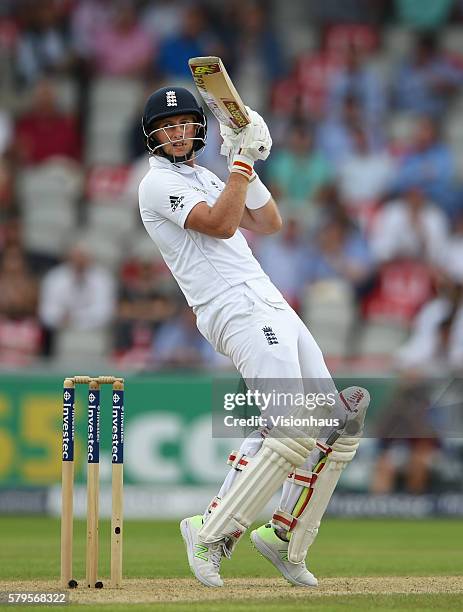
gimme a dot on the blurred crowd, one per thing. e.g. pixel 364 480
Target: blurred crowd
pixel 365 108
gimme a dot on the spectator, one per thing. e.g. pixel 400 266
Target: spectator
pixel 306 86
pixel 297 171
pixel 288 109
pixel 88 19
pixel 6 167
pixel 11 233
pixel 338 265
pixel 42 49
pixel 340 252
pixel 6 132
pixel 452 255
pixel 76 294
pixel 364 176
pixel 123 48
pixel 194 39
pixel 178 344
pixel 436 342
pixel 283 257
pixel 358 79
pixel 144 303
pixel 328 203
pixel 409 227
pixel 19 330
pixel 426 82
pixel 339 36
pixel 315 70
pixel 409 443
pixel 6 188
pixel 161 19
pixel 45 131
pixel 430 165
pixel 334 135
pixel 18 289
pixel 259 56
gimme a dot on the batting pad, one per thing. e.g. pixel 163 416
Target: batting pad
pixel 326 474
pixel 262 477
pixel 305 530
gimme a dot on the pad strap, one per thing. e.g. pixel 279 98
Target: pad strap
pixel 325 448
pixel 214 503
pixel 304 478
pixel 237 461
pixel 284 520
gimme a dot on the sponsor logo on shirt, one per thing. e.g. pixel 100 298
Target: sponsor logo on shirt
pixel 198 189
pixel 176 202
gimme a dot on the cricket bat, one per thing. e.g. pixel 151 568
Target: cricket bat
pixel 219 93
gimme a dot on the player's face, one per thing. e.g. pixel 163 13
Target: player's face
pixel 176 134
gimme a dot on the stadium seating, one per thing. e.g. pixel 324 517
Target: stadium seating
pixel 113 104
pixel 48 197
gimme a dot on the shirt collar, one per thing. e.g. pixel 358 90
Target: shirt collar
pixel 156 161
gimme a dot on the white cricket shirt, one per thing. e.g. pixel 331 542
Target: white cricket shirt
pixel 203 266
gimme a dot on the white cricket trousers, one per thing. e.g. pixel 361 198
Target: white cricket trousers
pixel 254 325
pixel 256 328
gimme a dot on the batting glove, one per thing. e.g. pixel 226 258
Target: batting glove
pixel 243 147
pixel 231 142
pixel 256 142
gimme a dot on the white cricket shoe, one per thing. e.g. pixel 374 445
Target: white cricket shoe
pixel 275 550
pixel 204 559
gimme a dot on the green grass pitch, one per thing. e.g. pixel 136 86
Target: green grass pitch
pixel 344 552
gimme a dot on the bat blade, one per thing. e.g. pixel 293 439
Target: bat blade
pixel 217 90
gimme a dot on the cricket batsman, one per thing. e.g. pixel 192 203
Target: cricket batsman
pixel 195 219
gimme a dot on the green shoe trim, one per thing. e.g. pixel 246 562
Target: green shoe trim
pixel 197 521
pixel 267 533
pixel 201 552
